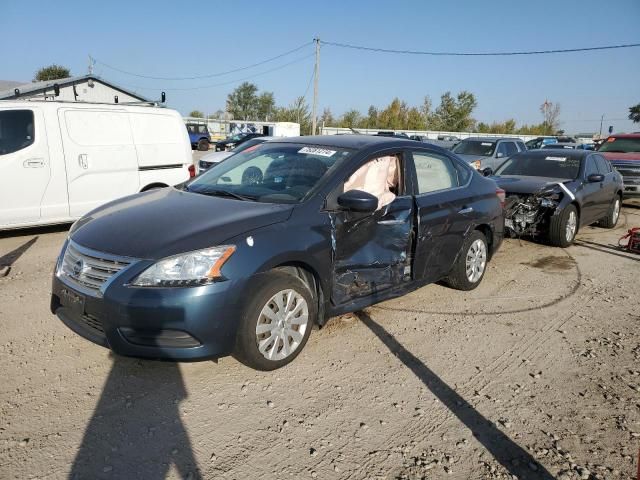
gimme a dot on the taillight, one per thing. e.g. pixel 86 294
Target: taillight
pixel 501 194
pixel 192 171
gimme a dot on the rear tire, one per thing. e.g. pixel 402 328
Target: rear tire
pixel 564 227
pixel 203 145
pixel 613 214
pixel 471 264
pixel 276 322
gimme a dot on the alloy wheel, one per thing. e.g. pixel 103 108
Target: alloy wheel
pixel 572 223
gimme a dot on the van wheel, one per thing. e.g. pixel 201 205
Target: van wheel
pixel 203 144
pixel 613 214
pixel 276 322
pixel 468 271
pixel 564 227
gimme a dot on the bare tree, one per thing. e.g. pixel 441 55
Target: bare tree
pixel 551 116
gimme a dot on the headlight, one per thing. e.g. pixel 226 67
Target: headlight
pixel 187 269
pixel 476 164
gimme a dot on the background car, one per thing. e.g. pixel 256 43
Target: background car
pixel 206 161
pixel 539 142
pixel 235 140
pixel 488 152
pixel 199 136
pixel 246 258
pixel 623 151
pixel 552 193
pixel 560 145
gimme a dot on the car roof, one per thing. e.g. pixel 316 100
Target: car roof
pixel 350 141
pixel 565 152
pixel 492 139
pixel 625 135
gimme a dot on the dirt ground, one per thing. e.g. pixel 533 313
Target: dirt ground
pixel 534 375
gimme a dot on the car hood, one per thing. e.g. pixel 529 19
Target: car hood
pixel 168 221
pixel 215 157
pixel 611 156
pixel 522 184
pixel 471 158
pixel 227 141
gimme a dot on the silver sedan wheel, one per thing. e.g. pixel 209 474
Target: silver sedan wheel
pixel 616 211
pixel 572 224
pixel 282 324
pixel 476 260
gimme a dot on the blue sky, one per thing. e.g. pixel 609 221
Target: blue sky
pixel 199 38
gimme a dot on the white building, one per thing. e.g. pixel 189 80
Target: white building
pixel 86 88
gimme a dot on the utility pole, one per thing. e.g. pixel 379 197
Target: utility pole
pixel 90 65
pixel 316 74
pixel 601 120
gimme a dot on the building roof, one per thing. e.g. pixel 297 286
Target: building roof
pixel 9 84
pixel 7 92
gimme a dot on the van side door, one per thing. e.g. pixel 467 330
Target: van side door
pixel 100 157
pixel 25 167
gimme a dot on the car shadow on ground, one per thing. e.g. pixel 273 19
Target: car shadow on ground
pixel 136 429
pixel 8 259
pixel 516 460
pixel 27 232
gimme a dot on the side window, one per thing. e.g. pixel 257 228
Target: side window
pixel 16 130
pixel 464 173
pixel 590 168
pixel 603 164
pixel 511 147
pixel 379 177
pixel 501 151
pixel 521 146
pixel 434 172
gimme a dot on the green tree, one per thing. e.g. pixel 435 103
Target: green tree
pixel 196 114
pixel 454 114
pixel 395 116
pixel 242 103
pixel 634 113
pixel 52 72
pixel 298 112
pixel 415 119
pixel 350 119
pixel 372 117
pixel 265 105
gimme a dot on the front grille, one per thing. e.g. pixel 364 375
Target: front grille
pixel 88 269
pixel 627 170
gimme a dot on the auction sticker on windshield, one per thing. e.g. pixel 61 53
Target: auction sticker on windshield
pixel 317 151
pixel 556 159
pixel 486 144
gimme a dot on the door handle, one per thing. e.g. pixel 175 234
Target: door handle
pixel 466 210
pixel 33 163
pixel 83 161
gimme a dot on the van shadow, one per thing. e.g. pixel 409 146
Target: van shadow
pixel 509 454
pixel 136 430
pixel 7 260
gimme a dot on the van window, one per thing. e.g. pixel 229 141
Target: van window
pixel 16 130
pixel 94 128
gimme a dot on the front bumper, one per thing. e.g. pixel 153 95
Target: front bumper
pixel 186 324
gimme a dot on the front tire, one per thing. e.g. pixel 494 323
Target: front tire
pixel 276 323
pixel 471 264
pixel 203 145
pixel 613 214
pixel 564 227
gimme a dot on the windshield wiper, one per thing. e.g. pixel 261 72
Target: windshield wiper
pixel 226 193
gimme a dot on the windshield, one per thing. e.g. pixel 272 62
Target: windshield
pixel 552 166
pixel 621 144
pixel 248 144
pixel 270 172
pixel 475 147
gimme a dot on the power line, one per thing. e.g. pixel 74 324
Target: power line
pixel 481 54
pixel 219 74
pixel 202 87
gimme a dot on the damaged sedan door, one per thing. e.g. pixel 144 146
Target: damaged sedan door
pixel 371 250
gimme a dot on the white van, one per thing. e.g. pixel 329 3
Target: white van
pixel 59 160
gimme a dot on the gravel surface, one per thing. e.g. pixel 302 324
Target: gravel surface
pixel 535 374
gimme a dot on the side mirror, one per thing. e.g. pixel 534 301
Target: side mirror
pixel 499 155
pixel 595 178
pixel 487 172
pixel 358 201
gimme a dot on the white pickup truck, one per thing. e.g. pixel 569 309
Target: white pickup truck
pixel 60 160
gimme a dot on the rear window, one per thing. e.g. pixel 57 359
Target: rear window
pixel 621 145
pixel 16 130
pixel 475 147
pixel 553 165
